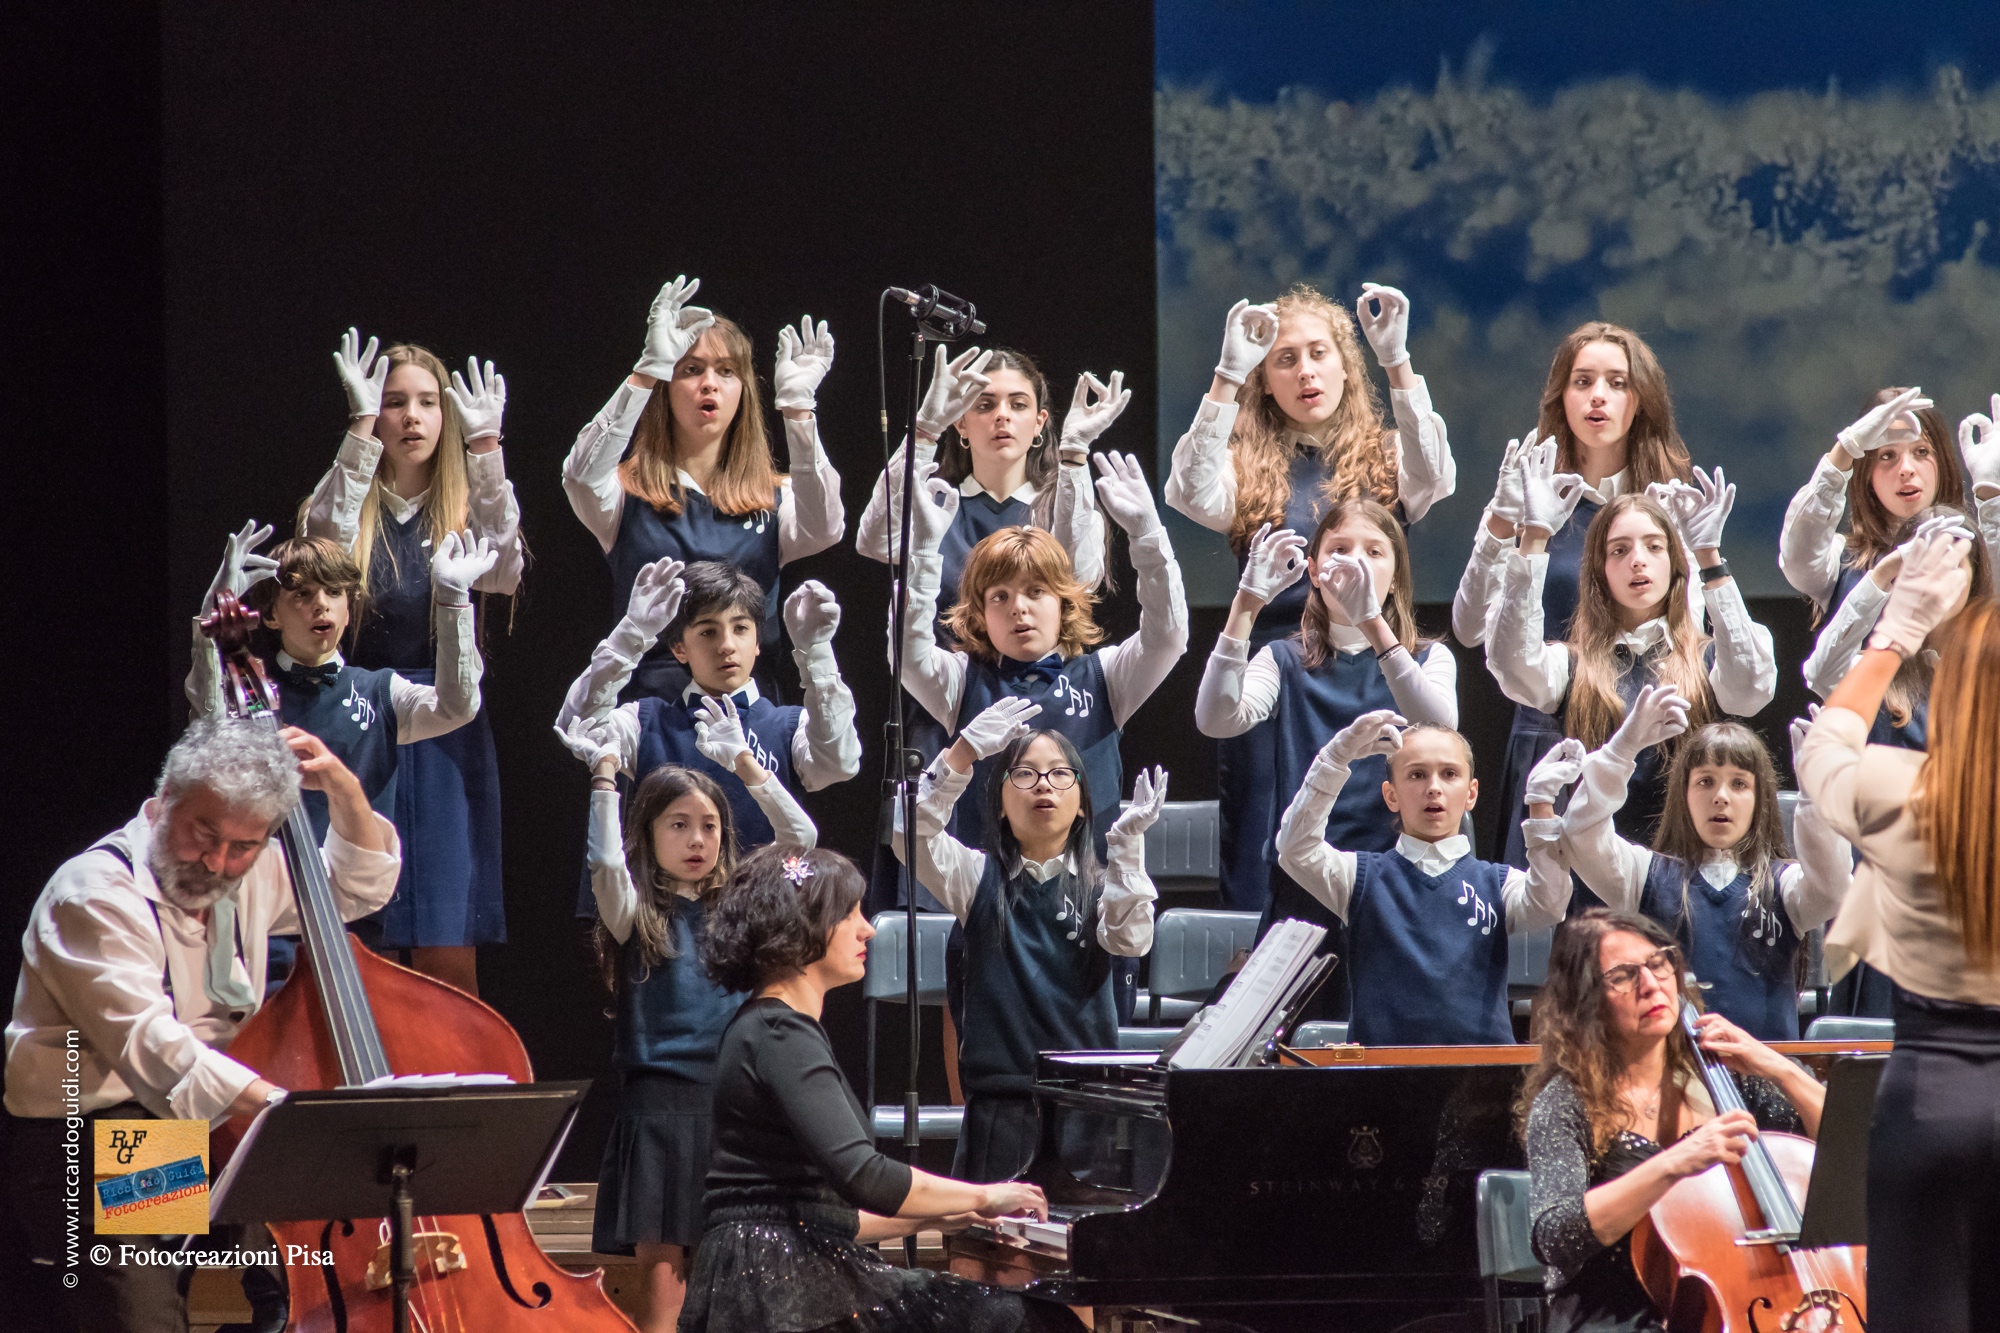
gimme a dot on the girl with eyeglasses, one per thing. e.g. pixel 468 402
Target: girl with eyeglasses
pixel 1614 1113
pixel 1718 875
pixel 1043 918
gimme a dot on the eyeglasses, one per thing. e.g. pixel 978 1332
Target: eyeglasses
pixel 1060 779
pixel 1662 963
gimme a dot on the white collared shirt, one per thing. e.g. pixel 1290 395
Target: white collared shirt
pixel 491 511
pixel 1238 691
pixel 92 961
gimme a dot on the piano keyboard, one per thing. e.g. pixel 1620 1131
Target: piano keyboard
pixel 1052 1235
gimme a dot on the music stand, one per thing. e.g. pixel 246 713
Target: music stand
pixel 361 1152
pixel 1836 1210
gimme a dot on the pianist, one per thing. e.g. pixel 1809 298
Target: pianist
pixel 796 1184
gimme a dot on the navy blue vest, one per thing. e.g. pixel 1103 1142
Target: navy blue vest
pixel 671 1016
pixel 666 736
pixel 698 532
pixel 979 517
pixel 1035 980
pixel 1561 582
pixel 1744 958
pixel 1912 735
pixel 396 627
pixel 1074 702
pixel 1428 956
pixel 1304 504
pixel 356 718
pixel 1312 706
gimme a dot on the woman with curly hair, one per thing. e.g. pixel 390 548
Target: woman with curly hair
pixel 797 1190
pixel 1615 1112
pixel 1291 423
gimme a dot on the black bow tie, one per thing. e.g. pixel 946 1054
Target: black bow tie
pixel 310 677
pixel 1024 675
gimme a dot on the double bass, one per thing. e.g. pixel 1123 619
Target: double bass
pixel 346 1017
pixel 1719 1252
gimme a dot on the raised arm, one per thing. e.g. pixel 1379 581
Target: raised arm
pixel 1075 520
pixel 423 711
pixel 1426 693
pixel 811 517
pixel 1479 586
pixel 1202 480
pixel 1529 669
pixel 946 866
pixel 604 852
pixel 480 396
pixel 1325 872
pixel 335 507
pixel 934 676
pixel 590 472
pixel 1840 639
pixel 881 521
pixel 1744 674
pixel 241 568
pixel 825 748
pixel 1809 544
pixel 1134 668
pixel 1236 692
pixel 655 601
pixel 1612 868
pixel 1425 471
pixel 1125 903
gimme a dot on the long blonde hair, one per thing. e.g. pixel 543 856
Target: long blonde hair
pixel 1358 455
pixel 1595 708
pixel 1398 606
pixel 446 501
pixel 1654 450
pixel 745 479
pixel 1957 797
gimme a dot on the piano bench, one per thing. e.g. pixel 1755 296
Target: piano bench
pixel 933 1122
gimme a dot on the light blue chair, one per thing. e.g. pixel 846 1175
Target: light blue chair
pixel 1840 1028
pixel 1506 1250
pixel 1191 950
pixel 885 983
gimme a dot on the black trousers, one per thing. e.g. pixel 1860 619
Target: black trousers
pixel 1934 1172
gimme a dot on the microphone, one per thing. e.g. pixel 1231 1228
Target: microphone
pixel 944 316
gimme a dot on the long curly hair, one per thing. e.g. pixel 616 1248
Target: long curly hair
pixel 1569 1024
pixel 767 925
pixel 1398 606
pixel 1872 531
pixel 1009 554
pixel 1359 454
pixel 1595 708
pixel 1654 450
pixel 745 479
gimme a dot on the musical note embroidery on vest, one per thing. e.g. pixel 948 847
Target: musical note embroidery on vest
pixel 759 520
pixel 360 709
pixel 1484 914
pixel 1080 700
pixel 765 759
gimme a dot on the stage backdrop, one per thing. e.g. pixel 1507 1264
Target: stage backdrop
pixel 1791 201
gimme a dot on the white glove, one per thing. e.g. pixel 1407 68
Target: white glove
pixel 1086 419
pixel 1389 332
pixel 1277 559
pixel 362 374
pixel 811 615
pixel 954 386
pixel 1379 732
pixel 1548 497
pixel 1800 726
pixel 1558 769
pixel 1659 713
pixel 1000 723
pixel 1890 566
pixel 1506 503
pixel 481 405
pixel 936 508
pixel 240 568
pixel 588 741
pixel 1126 494
pixel 672 327
pixel 656 597
pixel 805 354
pixel 1347 580
pixel 718 731
pixel 1979 446
pixel 1149 793
pixel 1247 336
pixel 1929 589
pixel 1873 429
pixel 1700 510
pixel 460 561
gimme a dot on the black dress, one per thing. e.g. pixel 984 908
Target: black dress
pixel 793 1162
pixel 1592 1286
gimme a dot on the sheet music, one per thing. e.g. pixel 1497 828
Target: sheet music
pixel 1266 979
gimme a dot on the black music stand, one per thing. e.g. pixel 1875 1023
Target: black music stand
pixel 362 1152
pixel 1836 1210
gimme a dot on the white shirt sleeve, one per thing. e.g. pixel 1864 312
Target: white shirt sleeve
pixel 1842 638
pixel 1201 481
pixel 811 517
pixel 203 686
pixel 1125 902
pixel 1809 544
pixel 590 473
pixel 1325 872
pixel 1425 470
pixel 424 711
pixel 945 866
pixel 934 677
pixel 1134 668
pixel 1614 869
pixel 882 520
pixel 791 826
pixel 1813 889
pixel 1744 674
pixel 492 512
pixel 1479 586
pixel 1530 670
pixel 1538 897
pixel 335 507
pixel 594 693
pixel 610 879
pixel 1237 691
pixel 825 746
pixel 1426 693
pixel 1077 523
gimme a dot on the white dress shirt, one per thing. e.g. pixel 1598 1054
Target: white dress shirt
pixel 810 515
pixel 1239 691
pixel 1811 888
pixel 1075 521
pixel 952 871
pixel 491 510
pixel 1534 898
pixel 1133 668
pixel 1535 672
pixel 1202 483
pixel 92 958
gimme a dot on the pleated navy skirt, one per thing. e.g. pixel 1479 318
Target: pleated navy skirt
pixel 656 1157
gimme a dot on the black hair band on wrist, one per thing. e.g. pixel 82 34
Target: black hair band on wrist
pixel 1715 572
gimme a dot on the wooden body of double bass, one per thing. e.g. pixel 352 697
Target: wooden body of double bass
pixel 1690 1261
pixel 505 1281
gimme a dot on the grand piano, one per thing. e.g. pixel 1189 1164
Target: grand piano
pixel 1333 1192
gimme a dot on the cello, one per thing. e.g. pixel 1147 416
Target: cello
pixel 1719 1251
pixel 346 1017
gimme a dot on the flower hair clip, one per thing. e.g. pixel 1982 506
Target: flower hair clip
pixel 798 870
